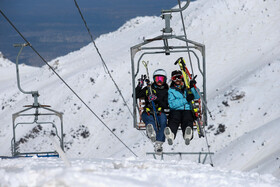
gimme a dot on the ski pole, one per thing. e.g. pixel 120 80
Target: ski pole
pixel 151 92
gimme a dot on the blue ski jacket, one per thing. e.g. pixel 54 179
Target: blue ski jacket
pixel 177 98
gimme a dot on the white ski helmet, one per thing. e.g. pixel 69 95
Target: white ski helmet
pixel 161 72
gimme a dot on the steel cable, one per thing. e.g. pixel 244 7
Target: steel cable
pixel 66 83
pixel 187 44
pixel 104 64
pixel 185 34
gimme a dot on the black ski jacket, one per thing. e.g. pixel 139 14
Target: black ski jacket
pixel 160 92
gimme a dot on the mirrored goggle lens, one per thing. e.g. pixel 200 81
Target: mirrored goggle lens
pixel 159 78
pixel 175 77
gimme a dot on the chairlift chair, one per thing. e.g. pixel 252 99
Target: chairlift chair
pixel 37 111
pixel 167 35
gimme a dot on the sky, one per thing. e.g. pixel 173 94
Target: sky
pixel 55 28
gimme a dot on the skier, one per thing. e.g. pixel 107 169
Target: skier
pixel 155 121
pixel 180 108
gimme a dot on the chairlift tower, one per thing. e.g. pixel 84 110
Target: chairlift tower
pixel 35 110
pixel 187 47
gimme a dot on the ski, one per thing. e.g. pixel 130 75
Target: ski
pixel 196 103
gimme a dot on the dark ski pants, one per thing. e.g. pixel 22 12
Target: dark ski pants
pixel 162 120
pixel 177 117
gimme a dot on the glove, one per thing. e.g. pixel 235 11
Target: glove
pixel 192 82
pixel 190 97
pixel 147 81
pixel 141 81
pixel 152 97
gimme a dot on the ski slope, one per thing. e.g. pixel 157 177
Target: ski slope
pixel 124 172
pixel 243 71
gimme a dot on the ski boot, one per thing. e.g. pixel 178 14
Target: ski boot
pixel 158 147
pixel 188 135
pixel 169 135
pixel 151 132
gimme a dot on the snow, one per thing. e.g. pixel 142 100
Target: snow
pixel 242 41
pixel 125 172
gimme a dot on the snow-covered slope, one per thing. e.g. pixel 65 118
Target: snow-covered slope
pixel 243 65
pixel 124 172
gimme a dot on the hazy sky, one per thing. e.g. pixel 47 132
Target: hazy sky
pixel 55 28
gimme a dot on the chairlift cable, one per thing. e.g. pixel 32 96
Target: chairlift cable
pixel 103 62
pixel 184 28
pixel 206 139
pixel 66 83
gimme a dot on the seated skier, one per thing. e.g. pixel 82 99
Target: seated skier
pixel 179 99
pixel 156 101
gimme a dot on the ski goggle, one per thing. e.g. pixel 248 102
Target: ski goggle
pixel 159 78
pixel 175 77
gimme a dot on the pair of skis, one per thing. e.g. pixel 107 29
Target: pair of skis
pixel 196 103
